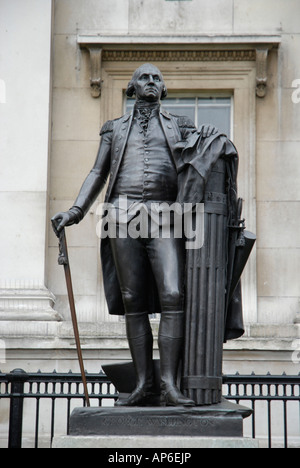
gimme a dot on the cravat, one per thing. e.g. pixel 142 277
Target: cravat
pixel 144 117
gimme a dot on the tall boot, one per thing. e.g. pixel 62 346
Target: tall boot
pixel 170 341
pixel 140 339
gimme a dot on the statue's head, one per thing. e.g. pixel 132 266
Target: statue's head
pixel 147 84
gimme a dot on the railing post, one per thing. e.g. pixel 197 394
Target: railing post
pixel 17 378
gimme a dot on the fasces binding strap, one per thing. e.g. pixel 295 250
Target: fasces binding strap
pixel 202 382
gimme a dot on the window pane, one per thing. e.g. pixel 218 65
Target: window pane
pixel 219 116
pixel 211 101
pixel 179 110
pixel 181 106
pixel 129 104
pixel 179 101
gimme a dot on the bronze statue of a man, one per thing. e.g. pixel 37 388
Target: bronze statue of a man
pixel 142 154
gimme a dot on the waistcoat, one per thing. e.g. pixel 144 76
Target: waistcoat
pixel 147 171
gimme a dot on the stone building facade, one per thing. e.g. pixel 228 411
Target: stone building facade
pixel 64 66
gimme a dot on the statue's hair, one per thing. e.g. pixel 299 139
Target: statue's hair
pixel 130 91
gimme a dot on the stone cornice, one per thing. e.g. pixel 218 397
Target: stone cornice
pixel 192 48
pixel 232 40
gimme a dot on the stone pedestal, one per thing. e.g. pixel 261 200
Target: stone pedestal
pixel 221 420
pixel 216 426
pixel 177 443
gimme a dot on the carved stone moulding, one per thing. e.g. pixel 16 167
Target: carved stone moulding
pixel 178 49
pixel 178 55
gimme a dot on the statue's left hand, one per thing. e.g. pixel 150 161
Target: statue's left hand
pixel 207 130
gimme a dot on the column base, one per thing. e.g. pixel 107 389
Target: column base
pixel 27 304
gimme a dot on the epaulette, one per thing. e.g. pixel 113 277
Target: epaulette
pixel 185 122
pixel 107 127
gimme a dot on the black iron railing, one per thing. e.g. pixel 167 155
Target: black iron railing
pixel 21 387
pixel 280 389
pixel 43 402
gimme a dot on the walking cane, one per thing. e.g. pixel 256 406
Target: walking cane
pixel 63 259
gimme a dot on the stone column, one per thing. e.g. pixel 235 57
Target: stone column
pixel 25 76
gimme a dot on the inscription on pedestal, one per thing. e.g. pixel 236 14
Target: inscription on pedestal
pixel 162 421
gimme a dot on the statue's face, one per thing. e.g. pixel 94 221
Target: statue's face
pixel 149 83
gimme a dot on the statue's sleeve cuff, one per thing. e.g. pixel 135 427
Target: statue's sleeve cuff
pixel 78 213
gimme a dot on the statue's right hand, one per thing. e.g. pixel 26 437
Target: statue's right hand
pixel 60 220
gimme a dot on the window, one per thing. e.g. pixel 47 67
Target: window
pixel 215 110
